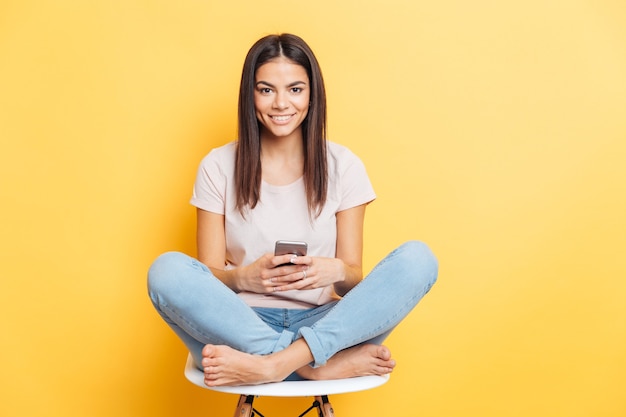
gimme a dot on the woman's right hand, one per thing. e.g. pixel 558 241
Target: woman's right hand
pixel 267 274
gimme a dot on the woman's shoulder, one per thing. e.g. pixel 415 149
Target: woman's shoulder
pixel 348 177
pixel 227 150
pixel 334 148
pixel 222 156
pixel 341 155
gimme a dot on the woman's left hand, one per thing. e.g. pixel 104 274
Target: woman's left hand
pixel 312 273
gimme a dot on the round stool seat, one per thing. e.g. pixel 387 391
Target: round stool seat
pixel 290 388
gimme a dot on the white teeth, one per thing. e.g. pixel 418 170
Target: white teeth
pixel 281 118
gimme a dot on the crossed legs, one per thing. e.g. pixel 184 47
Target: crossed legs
pixel 344 343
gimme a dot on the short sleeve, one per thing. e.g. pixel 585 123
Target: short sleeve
pixel 210 187
pixel 354 184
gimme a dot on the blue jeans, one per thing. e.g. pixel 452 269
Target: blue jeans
pixel 202 310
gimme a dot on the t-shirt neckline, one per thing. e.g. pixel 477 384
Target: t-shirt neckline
pixel 282 188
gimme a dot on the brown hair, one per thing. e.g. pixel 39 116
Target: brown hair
pixel 248 159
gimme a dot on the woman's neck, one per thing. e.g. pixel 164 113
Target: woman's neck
pixel 282 160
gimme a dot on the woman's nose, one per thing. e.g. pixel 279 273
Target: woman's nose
pixel 280 102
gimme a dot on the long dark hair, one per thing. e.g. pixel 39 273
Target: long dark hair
pixel 248 162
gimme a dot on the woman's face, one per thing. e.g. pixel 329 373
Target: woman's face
pixel 281 98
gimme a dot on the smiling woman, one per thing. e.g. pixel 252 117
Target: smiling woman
pixel 283 180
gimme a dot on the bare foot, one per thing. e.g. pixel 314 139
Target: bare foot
pixel 224 365
pixel 361 360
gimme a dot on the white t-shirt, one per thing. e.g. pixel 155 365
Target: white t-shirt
pixel 281 214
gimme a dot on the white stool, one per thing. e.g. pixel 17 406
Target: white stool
pixel 320 390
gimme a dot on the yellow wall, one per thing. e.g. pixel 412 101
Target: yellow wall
pixel 495 131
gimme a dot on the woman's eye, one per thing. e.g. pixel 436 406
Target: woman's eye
pixel 265 90
pixel 296 90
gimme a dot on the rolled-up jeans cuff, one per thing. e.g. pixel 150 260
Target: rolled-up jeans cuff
pixel 284 340
pixel 319 356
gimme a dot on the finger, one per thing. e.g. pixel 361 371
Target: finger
pixel 288 278
pixel 301 284
pixel 296 260
pixel 288 259
pixel 303 260
pixel 273 284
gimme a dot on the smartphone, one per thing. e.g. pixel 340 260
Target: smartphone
pixel 284 247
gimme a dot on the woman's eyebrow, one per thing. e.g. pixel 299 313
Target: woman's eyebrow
pixel 293 84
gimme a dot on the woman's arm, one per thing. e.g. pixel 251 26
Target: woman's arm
pixel 211 241
pixel 350 247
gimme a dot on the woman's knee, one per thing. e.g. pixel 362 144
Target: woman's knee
pixel 419 258
pixel 419 251
pixel 165 270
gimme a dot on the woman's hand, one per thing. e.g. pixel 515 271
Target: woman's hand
pixel 270 273
pixel 306 272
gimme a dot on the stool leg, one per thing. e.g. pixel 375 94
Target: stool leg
pixel 244 407
pixel 325 408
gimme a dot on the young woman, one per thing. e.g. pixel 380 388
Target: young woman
pixel 248 316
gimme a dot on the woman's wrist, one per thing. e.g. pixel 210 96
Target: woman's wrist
pixel 235 278
pixel 228 278
pixel 350 277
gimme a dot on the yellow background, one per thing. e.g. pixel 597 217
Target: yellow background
pixel 493 130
